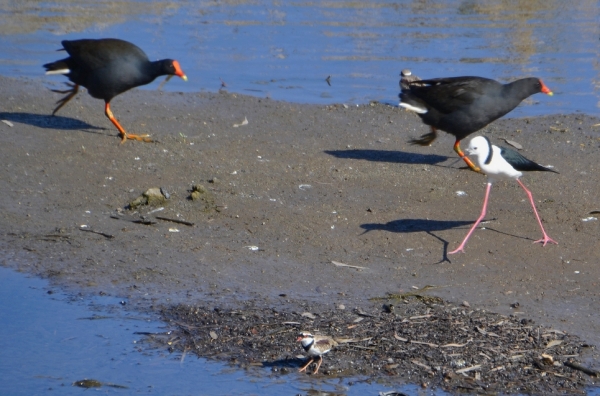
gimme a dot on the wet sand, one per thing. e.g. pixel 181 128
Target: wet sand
pixel 307 185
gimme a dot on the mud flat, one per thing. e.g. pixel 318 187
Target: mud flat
pixel 294 190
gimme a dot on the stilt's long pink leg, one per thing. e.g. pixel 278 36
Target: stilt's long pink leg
pixel 546 238
pixel 483 211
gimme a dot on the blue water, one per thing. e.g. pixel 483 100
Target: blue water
pixel 286 49
pixel 48 341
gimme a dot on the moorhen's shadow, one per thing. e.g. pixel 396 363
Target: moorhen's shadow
pixel 49 121
pixel 419 225
pixel 400 157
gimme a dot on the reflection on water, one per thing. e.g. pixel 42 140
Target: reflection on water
pixel 286 49
pixel 76 16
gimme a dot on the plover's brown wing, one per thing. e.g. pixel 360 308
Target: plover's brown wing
pixel 325 343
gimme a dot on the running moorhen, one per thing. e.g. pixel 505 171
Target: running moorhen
pixel 463 105
pixel 107 68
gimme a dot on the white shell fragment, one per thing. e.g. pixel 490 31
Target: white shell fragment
pixel 308 315
pixel 245 122
pixel 338 264
pixel 553 343
pixel 10 124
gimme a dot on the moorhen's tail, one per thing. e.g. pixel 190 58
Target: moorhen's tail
pixel 58 67
pixel 61 67
pixel 412 103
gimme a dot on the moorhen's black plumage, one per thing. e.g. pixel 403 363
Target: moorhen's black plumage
pixel 107 68
pixel 463 105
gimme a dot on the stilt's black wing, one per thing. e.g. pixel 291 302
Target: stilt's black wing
pixel 520 163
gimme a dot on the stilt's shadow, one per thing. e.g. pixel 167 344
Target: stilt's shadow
pixel 50 122
pixel 400 157
pixel 418 225
pixel 415 225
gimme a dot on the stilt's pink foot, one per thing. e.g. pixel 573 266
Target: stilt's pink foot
pixel 459 249
pixel 545 240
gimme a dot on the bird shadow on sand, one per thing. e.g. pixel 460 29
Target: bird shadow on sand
pixel 399 157
pixel 290 363
pixel 47 121
pixel 418 225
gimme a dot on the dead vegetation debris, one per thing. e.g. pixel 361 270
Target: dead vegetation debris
pixel 439 345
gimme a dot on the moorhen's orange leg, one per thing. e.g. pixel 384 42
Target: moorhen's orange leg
pixel 71 93
pixel 122 132
pixel 462 155
pixel 306 365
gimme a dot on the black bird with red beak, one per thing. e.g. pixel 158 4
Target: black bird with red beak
pixel 107 68
pixel 461 106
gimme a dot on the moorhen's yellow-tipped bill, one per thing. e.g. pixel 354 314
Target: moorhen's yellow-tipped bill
pixel 107 68
pixel 178 71
pixel 546 90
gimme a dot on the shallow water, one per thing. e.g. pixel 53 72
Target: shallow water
pixel 286 49
pixel 48 341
